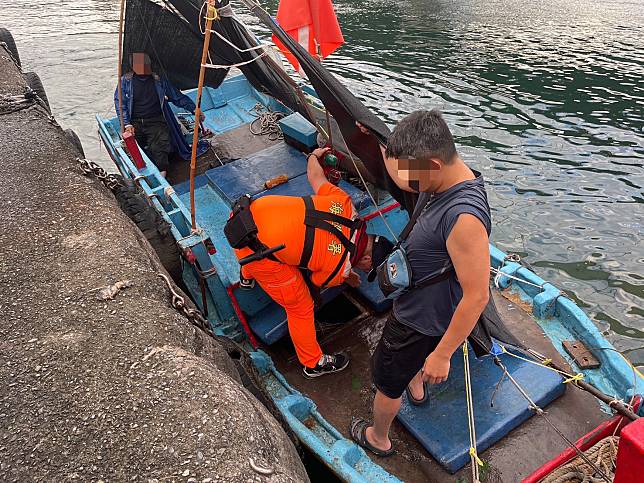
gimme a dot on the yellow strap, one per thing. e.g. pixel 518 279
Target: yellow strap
pixel 575 378
pixel 476 456
pixel 536 363
pixel 213 14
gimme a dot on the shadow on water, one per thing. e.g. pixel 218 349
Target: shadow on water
pixel 545 98
pixel 317 471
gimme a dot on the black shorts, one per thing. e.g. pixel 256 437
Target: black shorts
pixel 400 354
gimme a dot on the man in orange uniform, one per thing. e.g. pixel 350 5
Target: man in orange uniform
pixel 322 236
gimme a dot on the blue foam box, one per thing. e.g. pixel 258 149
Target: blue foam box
pixel 298 128
pixel 440 425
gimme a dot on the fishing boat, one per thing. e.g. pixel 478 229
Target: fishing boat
pixel 540 373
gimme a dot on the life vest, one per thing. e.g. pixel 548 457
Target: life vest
pixel 242 232
pixel 316 219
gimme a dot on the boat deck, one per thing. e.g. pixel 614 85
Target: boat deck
pixel 341 396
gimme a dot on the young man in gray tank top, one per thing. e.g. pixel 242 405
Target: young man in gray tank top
pixel 428 324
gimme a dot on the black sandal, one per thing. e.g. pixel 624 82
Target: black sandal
pixel 358 430
pixel 418 402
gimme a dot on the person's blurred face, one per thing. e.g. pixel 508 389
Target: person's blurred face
pixel 416 174
pixel 141 64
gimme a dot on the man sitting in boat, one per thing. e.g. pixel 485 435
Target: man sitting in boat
pixel 323 236
pixel 147 115
pixel 428 323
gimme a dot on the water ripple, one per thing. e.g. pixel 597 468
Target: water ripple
pixel 545 98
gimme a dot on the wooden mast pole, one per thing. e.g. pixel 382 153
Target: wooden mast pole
pixel 120 67
pixel 211 14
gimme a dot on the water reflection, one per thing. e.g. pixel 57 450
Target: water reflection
pixel 545 98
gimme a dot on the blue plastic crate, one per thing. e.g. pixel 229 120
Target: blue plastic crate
pixel 298 128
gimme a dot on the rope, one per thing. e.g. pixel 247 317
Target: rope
pixel 474 458
pixel 500 274
pixel 249 49
pixel 567 376
pixel 268 122
pixel 239 64
pixel 542 413
pixel 603 453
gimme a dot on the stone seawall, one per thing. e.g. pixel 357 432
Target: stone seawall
pixel 114 390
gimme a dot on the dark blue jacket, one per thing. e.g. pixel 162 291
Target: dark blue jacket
pixel 166 92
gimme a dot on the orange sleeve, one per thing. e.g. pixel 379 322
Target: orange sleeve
pixel 329 188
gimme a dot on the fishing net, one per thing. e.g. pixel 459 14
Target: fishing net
pixel 346 110
pixel 171 35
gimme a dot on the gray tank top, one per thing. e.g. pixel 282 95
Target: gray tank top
pixel 429 309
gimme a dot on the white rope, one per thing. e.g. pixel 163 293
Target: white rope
pixel 257 47
pixel 474 459
pixel 603 453
pixel 219 66
pixel 500 274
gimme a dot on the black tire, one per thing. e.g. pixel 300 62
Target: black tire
pixel 75 140
pixel 33 81
pixel 7 38
pixel 156 230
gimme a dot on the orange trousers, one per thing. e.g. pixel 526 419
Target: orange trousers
pixel 285 285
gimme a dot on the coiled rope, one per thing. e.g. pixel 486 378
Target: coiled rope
pixel 603 454
pixel 266 123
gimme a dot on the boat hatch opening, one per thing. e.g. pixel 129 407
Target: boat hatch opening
pixel 342 309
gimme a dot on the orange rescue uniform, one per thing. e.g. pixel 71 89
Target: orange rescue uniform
pixel 280 219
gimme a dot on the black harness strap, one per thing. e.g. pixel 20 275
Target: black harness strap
pixel 320 219
pixel 314 214
pixel 438 278
pixel 309 236
pixel 257 246
pixel 337 267
pixel 325 225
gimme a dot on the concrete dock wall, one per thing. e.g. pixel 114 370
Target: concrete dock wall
pixel 114 390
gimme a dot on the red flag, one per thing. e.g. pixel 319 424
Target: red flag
pixel 311 23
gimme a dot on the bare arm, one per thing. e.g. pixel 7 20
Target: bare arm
pixel 469 251
pixel 314 171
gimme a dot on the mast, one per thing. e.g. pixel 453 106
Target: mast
pixel 120 67
pixel 211 14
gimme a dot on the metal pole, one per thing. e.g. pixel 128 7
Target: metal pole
pixel 211 14
pixel 612 402
pixel 120 67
